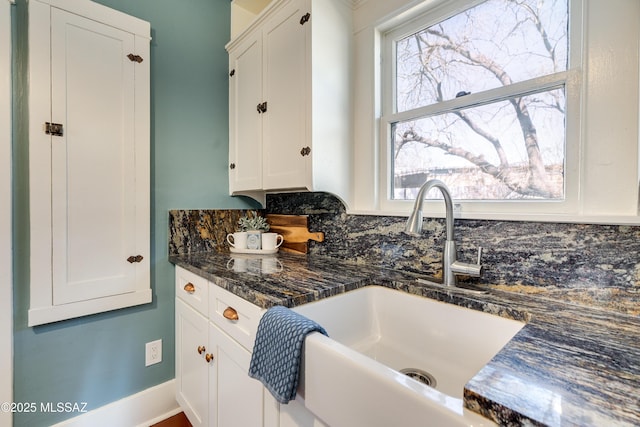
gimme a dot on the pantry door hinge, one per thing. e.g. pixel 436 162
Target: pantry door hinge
pixel 305 18
pixel 54 129
pixel 135 58
pixel 232 73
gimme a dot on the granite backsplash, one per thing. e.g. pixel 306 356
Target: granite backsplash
pixel 592 265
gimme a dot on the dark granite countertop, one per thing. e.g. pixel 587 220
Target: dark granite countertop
pixel 569 366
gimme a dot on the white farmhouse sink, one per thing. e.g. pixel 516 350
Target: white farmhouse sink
pixel 352 378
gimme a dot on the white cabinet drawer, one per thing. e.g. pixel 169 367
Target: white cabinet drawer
pixel 192 289
pixel 234 315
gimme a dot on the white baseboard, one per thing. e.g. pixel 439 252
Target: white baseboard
pixel 142 409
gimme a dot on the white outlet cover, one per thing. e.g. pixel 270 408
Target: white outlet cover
pixel 153 353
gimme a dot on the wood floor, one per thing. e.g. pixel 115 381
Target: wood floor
pixel 178 420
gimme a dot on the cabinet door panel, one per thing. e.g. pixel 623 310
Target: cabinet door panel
pixel 192 370
pixel 287 93
pixel 245 152
pixel 238 397
pixel 93 163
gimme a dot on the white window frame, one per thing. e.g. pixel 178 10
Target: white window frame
pixel 569 78
pixel 601 183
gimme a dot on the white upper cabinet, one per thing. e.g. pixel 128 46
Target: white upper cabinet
pixel 289 93
pixel 286 80
pixel 89 167
pixel 245 124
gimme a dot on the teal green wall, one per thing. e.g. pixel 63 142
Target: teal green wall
pixel 99 359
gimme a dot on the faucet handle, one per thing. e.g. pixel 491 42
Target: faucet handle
pixel 468 268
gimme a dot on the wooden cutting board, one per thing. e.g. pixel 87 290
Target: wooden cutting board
pixel 295 231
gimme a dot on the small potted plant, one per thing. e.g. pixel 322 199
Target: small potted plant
pixel 254 226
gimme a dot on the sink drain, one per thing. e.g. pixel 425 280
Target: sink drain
pixel 420 376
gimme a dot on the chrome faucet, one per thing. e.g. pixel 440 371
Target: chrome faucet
pixel 451 267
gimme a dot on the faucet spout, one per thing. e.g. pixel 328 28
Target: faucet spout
pixel 451 267
pixel 414 223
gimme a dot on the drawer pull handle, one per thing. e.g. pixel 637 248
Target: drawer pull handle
pixel 230 313
pixel 201 349
pixel 189 288
pixel 208 357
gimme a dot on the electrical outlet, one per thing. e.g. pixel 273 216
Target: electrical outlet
pixel 153 352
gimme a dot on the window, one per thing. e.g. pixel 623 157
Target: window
pixel 600 87
pixel 478 94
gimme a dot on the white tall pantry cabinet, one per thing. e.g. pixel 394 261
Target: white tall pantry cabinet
pixel 289 95
pixel 89 173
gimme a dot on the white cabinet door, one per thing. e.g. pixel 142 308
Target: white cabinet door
pixel 93 162
pixel 89 185
pixel 306 87
pixel 245 120
pixel 236 397
pixel 212 382
pixel 287 90
pixel 192 368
